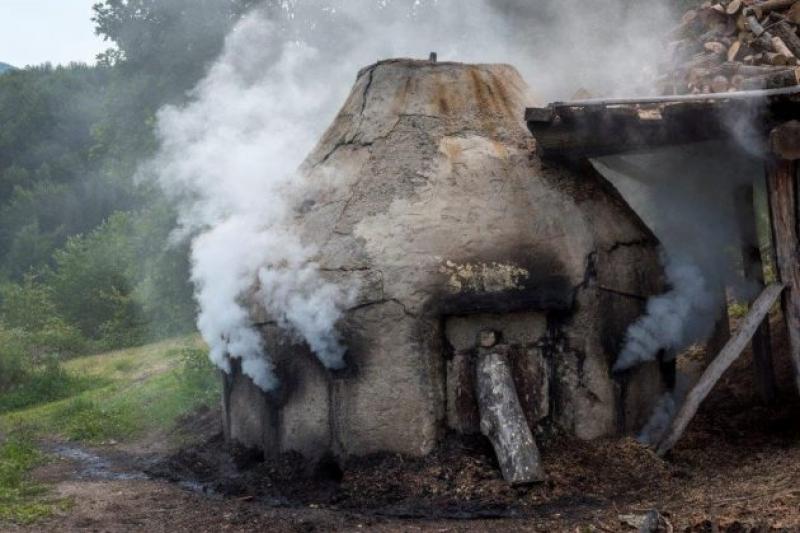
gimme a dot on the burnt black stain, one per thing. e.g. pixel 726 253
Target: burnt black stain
pixel 546 287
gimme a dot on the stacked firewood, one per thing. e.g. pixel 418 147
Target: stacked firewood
pixel 734 45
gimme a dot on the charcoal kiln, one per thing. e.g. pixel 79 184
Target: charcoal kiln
pixel 460 240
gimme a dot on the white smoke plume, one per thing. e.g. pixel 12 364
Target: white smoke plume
pixel 229 157
pixel 671 319
pixel 686 196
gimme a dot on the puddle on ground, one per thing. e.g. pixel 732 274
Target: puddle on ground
pixel 92 466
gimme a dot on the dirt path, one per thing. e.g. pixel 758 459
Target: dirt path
pixel 737 470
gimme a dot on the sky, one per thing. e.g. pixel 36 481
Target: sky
pixel 38 31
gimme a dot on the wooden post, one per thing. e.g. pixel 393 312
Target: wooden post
pixel 722 329
pixel 753 267
pixel 782 187
pixel 729 354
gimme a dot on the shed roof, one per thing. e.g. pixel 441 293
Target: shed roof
pixel 598 127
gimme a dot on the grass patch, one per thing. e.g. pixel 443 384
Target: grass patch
pixel 114 396
pixel 125 394
pixel 21 500
pixel 48 383
pixel 82 419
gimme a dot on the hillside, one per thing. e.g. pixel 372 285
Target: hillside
pixel 5 67
pixel 95 404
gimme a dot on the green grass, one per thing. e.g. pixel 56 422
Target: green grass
pixel 123 394
pixel 119 396
pixel 47 384
pixel 21 500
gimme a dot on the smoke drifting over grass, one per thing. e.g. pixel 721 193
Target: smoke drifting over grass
pixel 229 157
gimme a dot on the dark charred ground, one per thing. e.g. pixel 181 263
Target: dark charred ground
pixel 737 470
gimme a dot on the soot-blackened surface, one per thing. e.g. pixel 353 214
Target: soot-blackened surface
pixel 460 480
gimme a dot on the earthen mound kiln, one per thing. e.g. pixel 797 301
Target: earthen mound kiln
pixel 452 226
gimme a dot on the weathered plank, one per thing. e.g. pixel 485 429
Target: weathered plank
pixel 782 187
pixel 759 310
pixel 594 128
pixel 503 420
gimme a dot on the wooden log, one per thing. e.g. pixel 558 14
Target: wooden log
pixel 788 35
pixel 771 5
pixel 793 15
pixel 753 268
pixel 780 48
pixel 689 23
pixel 731 69
pixel 503 420
pixel 715 47
pixel 734 7
pixel 761 37
pixel 721 363
pixel 782 187
pixel 733 51
pixel 775 80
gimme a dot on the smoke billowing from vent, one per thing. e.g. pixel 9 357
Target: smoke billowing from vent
pixel 686 196
pixel 670 322
pixel 229 157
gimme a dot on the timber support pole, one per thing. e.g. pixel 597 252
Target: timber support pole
pixel 753 270
pixel 759 311
pixel 782 191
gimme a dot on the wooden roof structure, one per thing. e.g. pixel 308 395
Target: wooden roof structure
pixel 599 127
pixel 578 130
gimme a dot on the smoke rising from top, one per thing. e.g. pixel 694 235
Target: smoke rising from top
pixel 229 157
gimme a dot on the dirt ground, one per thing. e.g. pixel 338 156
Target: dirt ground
pixel 737 470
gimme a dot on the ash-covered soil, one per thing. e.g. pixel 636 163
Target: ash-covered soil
pixel 736 470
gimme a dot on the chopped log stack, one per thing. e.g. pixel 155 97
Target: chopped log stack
pixel 734 45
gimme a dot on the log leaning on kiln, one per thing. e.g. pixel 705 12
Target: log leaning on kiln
pixel 452 227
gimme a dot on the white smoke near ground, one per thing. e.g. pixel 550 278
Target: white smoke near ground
pixel 686 196
pixel 229 157
pixel 667 407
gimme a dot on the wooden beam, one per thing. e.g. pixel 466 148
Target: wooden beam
pixel 782 187
pixel 785 141
pixel 753 270
pixel 759 310
pixel 594 128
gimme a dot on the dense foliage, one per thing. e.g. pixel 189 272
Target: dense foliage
pixel 85 258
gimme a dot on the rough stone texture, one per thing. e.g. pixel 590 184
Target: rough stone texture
pixel 429 196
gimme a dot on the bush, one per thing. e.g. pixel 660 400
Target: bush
pixel 92 285
pixel 15 361
pixel 88 420
pixel 48 382
pixel 198 376
pixel 29 310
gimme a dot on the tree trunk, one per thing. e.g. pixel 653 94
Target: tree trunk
pixel 503 420
pixel 724 360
